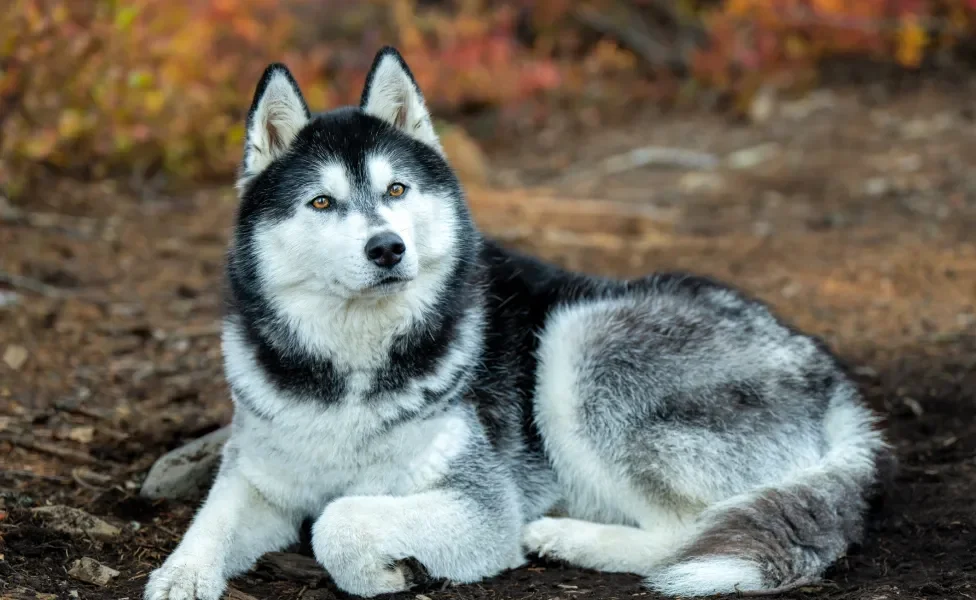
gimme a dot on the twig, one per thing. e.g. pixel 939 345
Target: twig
pixel 790 587
pixel 33 475
pixel 33 285
pixel 65 453
pixel 80 475
pixel 39 287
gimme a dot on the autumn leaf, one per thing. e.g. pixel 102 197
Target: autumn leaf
pixel 912 40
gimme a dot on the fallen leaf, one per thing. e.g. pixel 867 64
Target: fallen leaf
pixel 84 434
pixel 15 356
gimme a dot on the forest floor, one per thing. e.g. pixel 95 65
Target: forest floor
pixel 852 212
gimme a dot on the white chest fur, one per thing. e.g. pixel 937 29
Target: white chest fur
pixel 307 456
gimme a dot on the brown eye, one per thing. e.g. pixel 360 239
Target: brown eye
pixel 321 202
pixel 396 190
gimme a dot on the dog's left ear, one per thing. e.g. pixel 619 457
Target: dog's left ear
pixel 392 94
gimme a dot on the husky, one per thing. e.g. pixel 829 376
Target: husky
pixel 428 399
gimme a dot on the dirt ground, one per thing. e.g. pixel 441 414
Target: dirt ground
pixel 852 212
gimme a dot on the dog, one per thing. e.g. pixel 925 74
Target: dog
pixel 428 398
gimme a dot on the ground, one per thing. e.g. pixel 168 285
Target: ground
pixel 851 212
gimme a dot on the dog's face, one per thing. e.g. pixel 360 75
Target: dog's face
pixel 356 203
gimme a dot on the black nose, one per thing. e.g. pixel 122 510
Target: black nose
pixel 385 249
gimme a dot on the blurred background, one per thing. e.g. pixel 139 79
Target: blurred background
pixel 816 153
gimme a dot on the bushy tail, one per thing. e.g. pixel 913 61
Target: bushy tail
pixel 786 535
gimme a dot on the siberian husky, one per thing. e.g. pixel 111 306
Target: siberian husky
pixel 427 397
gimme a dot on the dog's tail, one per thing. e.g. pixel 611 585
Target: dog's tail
pixel 786 535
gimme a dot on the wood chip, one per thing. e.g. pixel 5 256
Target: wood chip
pixel 75 521
pixel 91 571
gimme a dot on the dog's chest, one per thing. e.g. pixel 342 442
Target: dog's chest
pixel 307 456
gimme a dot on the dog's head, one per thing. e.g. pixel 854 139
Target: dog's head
pixel 357 203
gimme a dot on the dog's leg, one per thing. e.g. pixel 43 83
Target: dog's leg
pixel 610 548
pixel 365 541
pixel 235 526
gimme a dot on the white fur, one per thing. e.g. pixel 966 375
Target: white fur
pixel 315 268
pixel 708 576
pixel 235 526
pixel 380 172
pixel 611 548
pixel 335 182
pixel 357 539
pixel 394 98
pixel 279 116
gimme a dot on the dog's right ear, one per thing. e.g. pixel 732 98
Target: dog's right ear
pixel 278 112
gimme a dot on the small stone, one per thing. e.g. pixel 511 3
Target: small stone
pixel 748 158
pixel 702 183
pixel 791 289
pixel 763 105
pixel 187 471
pixel 8 298
pixel 914 406
pixel 75 522
pixel 15 356
pixel 876 187
pixel 91 571
pixel 865 371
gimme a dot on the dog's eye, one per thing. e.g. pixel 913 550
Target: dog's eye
pixel 320 202
pixel 396 190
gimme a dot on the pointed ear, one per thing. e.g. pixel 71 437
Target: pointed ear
pixel 391 94
pixel 278 112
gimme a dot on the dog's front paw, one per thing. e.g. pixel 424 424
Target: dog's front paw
pixel 185 579
pixel 544 537
pixel 348 540
pixel 561 539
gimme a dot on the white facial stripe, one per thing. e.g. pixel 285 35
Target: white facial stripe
pixel 335 180
pixel 380 172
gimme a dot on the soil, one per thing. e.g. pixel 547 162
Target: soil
pixel 856 224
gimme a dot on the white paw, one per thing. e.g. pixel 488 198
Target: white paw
pixel 348 542
pixel 183 578
pixel 547 537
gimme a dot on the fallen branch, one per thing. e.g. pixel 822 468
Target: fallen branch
pixel 645 156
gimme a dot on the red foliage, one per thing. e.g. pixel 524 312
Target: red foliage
pixel 146 86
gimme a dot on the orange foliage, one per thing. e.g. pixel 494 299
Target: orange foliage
pixel 161 86
pixel 147 86
pixel 754 40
